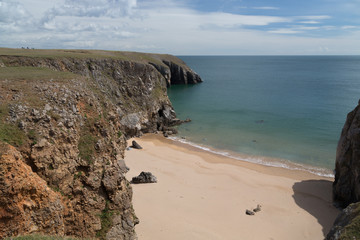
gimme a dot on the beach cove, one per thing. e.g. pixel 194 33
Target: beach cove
pixel 201 195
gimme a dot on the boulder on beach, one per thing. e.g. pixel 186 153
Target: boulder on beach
pixel 136 145
pixel 144 177
pixel 249 212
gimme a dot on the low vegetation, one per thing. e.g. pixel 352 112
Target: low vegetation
pixel 40 237
pixel 95 54
pixel 351 231
pixel 33 73
pixel 106 221
pixel 10 133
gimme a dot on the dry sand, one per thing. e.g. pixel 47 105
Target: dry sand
pixel 200 195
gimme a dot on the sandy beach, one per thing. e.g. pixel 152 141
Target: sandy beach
pixel 200 195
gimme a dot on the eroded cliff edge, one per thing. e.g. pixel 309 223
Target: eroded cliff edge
pixel 65 117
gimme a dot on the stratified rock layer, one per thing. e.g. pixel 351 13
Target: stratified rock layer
pixel 346 188
pixel 69 117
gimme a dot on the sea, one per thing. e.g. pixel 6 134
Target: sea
pixel 282 111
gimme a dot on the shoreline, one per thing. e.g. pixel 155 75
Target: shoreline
pixel 201 195
pixel 258 160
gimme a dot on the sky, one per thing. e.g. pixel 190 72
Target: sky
pixel 185 27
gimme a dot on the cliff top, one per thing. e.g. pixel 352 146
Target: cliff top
pixel 92 54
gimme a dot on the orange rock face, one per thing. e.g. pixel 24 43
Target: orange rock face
pixel 27 204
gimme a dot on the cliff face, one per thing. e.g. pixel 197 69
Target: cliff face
pixel 346 188
pixel 37 207
pixel 69 118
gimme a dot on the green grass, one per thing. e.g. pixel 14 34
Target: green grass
pixel 10 133
pixel 40 237
pixel 33 135
pixel 34 73
pixel 95 54
pixel 106 221
pixel 86 146
pixel 352 230
pixel 87 141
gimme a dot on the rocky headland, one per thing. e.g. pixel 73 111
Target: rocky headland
pixel 346 187
pixel 65 117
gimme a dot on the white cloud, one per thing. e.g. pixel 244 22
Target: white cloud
pixel 164 26
pixel 319 17
pixel 348 27
pixel 12 12
pixel 285 31
pixel 91 8
pixel 266 8
pixel 306 28
pixel 309 22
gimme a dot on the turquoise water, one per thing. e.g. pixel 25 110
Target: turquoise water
pixel 282 107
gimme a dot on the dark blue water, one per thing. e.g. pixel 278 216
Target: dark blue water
pixel 283 107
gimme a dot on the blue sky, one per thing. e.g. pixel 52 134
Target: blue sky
pixel 185 27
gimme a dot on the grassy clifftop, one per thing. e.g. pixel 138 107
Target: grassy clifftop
pixel 93 54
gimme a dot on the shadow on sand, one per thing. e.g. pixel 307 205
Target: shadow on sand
pixel 314 196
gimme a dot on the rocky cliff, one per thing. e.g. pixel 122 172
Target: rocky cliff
pixel 65 117
pixel 346 188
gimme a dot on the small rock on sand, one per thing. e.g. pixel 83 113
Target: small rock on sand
pixel 249 212
pixel 136 145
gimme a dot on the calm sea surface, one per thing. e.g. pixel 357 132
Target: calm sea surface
pixel 275 110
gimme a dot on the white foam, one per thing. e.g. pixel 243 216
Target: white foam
pixel 281 164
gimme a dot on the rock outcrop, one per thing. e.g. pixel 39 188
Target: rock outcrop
pixel 176 73
pixel 347 224
pixel 346 187
pixel 144 177
pixel 69 116
pixel 27 204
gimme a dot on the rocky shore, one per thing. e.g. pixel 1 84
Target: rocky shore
pixel 65 118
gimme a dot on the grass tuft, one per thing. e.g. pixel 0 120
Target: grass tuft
pixel 10 133
pixel 106 221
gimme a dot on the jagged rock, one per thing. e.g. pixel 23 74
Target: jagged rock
pixel 181 74
pixel 346 187
pixel 136 145
pixel 347 224
pixel 144 177
pixel 131 122
pixel 27 204
pixel 249 212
